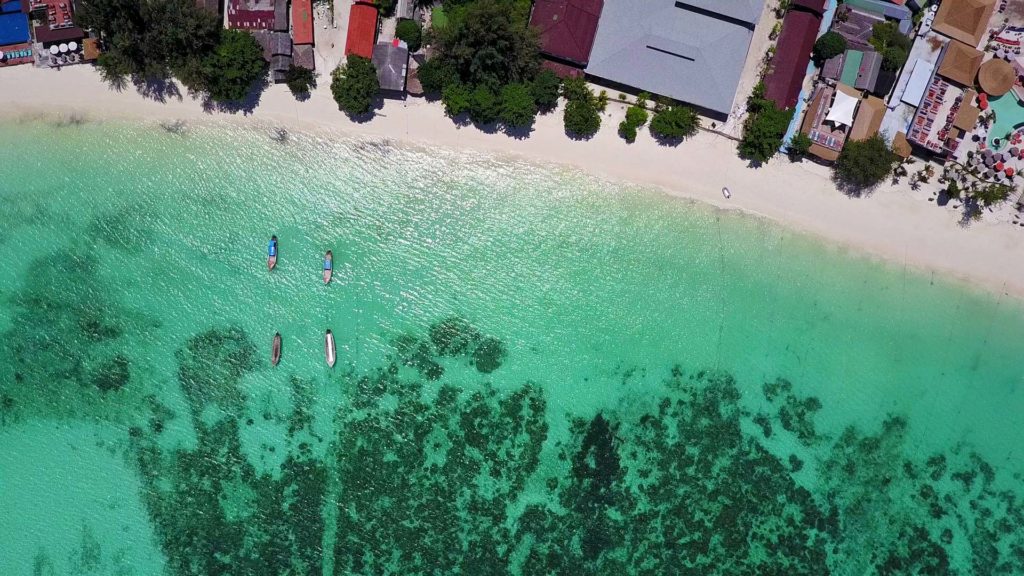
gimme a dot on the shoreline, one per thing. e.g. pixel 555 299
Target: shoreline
pixel 892 223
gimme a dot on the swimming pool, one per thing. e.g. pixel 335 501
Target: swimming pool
pixel 1009 114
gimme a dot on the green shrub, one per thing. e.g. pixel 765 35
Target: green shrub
pixel 675 123
pixel 518 108
pixel 636 116
pixel 409 31
pixel 300 80
pixel 354 85
pixel 581 118
pixel 799 145
pixel 863 164
pixel 545 88
pixel 456 98
pixel 829 45
pixel 628 131
pixel 764 127
pixel 483 105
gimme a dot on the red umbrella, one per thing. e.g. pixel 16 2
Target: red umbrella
pixel 998 166
pixel 1009 170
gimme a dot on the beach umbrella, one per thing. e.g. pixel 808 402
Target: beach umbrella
pixel 72 46
pixel 1014 151
pixel 1 54
pixel 63 48
pixel 54 49
pixel 989 161
pixel 989 174
pixel 998 167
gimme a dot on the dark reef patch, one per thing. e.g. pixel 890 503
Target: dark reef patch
pixel 128 229
pixel 426 478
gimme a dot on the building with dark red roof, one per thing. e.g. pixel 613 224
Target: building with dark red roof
pixel 362 30
pixel 302 22
pixel 792 55
pixel 567 28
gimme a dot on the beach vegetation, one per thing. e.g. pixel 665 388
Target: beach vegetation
pixel 893 45
pixel 545 89
pixel 354 86
pixel 581 118
pixel 764 128
pixel 518 107
pixel 863 164
pixel 300 80
pixel 829 45
pixel 992 194
pixel 484 106
pixel 149 42
pixel 386 7
pixel 674 123
pixel 234 66
pixel 456 99
pixel 410 32
pixel 628 131
pixel 798 146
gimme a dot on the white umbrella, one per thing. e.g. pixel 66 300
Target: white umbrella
pixel 1 54
pixel 54 49
pixel 63 48
pixel 72 46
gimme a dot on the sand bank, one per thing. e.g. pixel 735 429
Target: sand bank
pixel 892 223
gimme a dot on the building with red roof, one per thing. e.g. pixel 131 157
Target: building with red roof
pixel 302 22
pixel 567 28
pixel 362 30
pixel 792 55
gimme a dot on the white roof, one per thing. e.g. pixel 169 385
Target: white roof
pixel 842 110
pixel 918 82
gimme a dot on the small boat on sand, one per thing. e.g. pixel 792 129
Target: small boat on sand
pixel 726 193
pixel 272 253
pixel 328 267
pixel 329 348
pixel 275 349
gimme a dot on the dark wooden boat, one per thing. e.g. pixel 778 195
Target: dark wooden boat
pixel 275 349
pixel 329 348
pixel 328 267
pixel 272 253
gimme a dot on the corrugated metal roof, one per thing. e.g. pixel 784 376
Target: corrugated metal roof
pixel 567 27
pixel 668 49
pixel 362 30
pixel 792 55
pixel 392 62
pixel 302 22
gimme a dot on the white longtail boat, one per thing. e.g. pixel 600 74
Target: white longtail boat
pixel 329 348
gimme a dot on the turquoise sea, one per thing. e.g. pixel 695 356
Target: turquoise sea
pixel 539 372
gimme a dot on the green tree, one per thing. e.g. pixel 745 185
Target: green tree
pixel 992 194
pixel 893 45
pixel 636 116
pixel 234 66
pixel 456 98
pixel 764 127
pixel 863 164
pixel 628 131
pixel 354 85
pixel 518 108
pixel 830 44
pixel 488 45
pixel 545 89
pixel 435 74
pixel 483 105
pixel 675 123
pixel 799 144
pixel 300 80
pixel 577 89
pixel 410 32
pixel 581 118
pixel 386 7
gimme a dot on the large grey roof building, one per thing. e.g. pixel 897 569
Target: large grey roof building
pixel 691 50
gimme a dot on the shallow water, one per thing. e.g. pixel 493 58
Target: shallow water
pixel 538 372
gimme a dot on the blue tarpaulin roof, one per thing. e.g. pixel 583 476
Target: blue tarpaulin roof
pixel 10 6
pixel 13 29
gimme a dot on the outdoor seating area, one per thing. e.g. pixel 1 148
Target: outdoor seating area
pixel 63 54
pixel 58 13
pixel 941 100
pixel 15 55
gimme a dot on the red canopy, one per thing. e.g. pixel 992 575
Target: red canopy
pixel 998 166
pixel 1009 170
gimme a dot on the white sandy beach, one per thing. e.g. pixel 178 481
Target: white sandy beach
pixel 892 223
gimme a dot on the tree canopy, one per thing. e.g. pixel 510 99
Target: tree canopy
pixel 234 66
pixel 675 123
pixel 764 127
pixel 354 85
pixel 829 45
pixel 157 39
pixel 300 80
pixel 518 107
pixel 863 164
pixel 545 89
pixel 892 44
pixel 581 117
pixel 410 32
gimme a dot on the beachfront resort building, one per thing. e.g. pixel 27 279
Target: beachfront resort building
pixel 391 59
pixel 692 51
pixel 788 68
pixel 567 30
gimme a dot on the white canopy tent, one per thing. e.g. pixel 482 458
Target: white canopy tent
pixel 843 108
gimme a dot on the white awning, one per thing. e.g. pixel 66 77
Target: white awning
pixel 918 82
pixel 842 110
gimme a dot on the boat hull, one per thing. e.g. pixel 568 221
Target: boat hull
pixel 327 276
pixel 275 350
pixel 329 350
pixel 271 262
